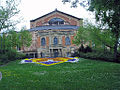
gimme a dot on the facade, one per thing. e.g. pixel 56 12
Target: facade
pixel 52 35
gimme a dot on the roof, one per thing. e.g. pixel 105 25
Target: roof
pixel 54 12
pixel 59 27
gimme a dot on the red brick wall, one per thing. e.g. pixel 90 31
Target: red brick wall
pixel 73 22
pixel 72 38
pixel 63 40
pixel 47 41
pixel 40 22
pixel 56 15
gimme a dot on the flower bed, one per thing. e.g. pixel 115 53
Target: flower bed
pixel 50 61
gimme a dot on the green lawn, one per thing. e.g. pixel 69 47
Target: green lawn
pixel 84 75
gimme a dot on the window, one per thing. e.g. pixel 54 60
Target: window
pixel 55 41
pixel 43 42
pixel 67 41
pixel 56 21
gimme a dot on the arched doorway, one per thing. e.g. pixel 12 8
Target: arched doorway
pixel 56 53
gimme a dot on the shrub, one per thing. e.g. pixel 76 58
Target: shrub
pixel 98 56
pixel 88 49
pixel 3 58
pixel 85 50
pixel 20 55
pixel 81 49
pixel 76 54
pixel 10 55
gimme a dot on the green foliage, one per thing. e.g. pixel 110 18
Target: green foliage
pixel 88 49
pixel 98 55
pixel 13 38
pixel 8 9
pixel 84 49
pixel 16 39
pixel 10 55
pixel 10 41
pixel 80 37
pixel 107 13
pixel 25 37
pixel 81 49
pixel 98 37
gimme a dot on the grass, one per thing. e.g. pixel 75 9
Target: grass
pixel 84 75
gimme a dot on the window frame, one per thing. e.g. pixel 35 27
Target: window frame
pixel 43 41
pixel 55 41
pixel 67 41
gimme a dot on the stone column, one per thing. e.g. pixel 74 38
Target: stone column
pixel 34 55
pixel 63 52
pixel 60 40
pixel 59 53
pixel 52 53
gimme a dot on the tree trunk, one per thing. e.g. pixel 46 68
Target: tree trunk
pixel 115 49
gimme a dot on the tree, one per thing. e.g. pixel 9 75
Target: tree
pixel 108 13
pixel 91 33
pixel 14 39
pixel 8 9
pixel 25 38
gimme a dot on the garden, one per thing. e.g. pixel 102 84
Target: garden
pixel 50 61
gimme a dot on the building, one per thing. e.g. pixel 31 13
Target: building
pixel 52 35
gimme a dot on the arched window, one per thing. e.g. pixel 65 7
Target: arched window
pixel 56 21
pixel 67 41
pixel 43 42
pixel 55 41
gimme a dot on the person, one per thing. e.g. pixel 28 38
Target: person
pixel 0 75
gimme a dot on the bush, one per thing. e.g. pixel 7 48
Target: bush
pixel 84 50
pixel 95 54
pixel 88 49
pixel 76 54
pixel 20 55
pixel 10 55
pixel 3 58
pixel 98 56
pixel 81 49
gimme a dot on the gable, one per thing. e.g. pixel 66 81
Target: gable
pixel 44 20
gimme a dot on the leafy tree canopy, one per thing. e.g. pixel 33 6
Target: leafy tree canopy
pixel 8 9
pixel 14 39
pixel 91 33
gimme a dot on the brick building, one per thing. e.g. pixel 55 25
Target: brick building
pixel 52 35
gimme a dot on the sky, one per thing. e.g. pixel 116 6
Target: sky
pixel 31 9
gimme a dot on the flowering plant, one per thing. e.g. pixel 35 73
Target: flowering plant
pixel 50 61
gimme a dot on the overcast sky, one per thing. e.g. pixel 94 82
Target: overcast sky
pixel 31 9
